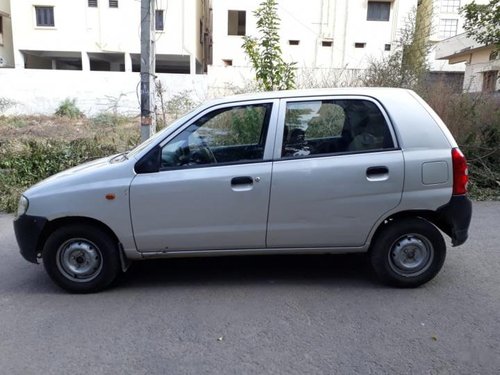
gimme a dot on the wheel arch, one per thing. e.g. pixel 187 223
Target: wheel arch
pixel 431 216
pixel 55 224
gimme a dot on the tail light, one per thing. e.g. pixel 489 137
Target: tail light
pixel 460 172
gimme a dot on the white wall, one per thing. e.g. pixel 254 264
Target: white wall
pixel 41 91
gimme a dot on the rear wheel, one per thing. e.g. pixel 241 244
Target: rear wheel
pixel 408 252
pixel 81 258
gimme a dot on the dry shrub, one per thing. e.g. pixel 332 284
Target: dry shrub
pixel 474 121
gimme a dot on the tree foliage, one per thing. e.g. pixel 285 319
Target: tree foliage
pixel 271 71
pixel 482 22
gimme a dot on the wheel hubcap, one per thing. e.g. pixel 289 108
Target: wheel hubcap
pixel 411 255
pixel 79 260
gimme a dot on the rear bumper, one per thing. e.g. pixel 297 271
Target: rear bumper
pixel 454 218
pixel 28 230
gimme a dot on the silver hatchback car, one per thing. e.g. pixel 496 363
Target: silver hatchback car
pixel 318 171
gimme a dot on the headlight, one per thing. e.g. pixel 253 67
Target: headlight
pixel 23 205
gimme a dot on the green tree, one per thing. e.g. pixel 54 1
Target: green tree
pixel 482 22
pixel 271 71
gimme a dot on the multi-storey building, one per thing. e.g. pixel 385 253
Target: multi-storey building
pixel 446 23
pixel 105 35
pixel 317 34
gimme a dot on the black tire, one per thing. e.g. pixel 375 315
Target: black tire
pixel 408 253
pixel 81 258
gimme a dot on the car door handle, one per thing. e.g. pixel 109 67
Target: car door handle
pixel 244 180
pixel 243 183
pixel 378 173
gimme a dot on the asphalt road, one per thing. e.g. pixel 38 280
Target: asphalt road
pixel 258 315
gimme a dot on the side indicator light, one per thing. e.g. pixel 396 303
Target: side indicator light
pixel 110 196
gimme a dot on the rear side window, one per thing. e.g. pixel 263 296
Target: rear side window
pixel 334 126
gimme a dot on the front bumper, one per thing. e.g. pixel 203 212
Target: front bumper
pixel 454 218
pixel 28 230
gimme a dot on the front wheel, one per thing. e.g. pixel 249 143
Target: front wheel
pixel 81 258
pixel 408 252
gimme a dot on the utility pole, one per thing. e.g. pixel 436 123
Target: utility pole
pixel 148 124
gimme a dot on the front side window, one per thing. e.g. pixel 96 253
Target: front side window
pixel 378 11
pixel 334 126
pixel 45 16
pixel 228 135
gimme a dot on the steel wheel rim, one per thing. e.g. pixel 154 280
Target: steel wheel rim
pixel 411 255
pixel 79 260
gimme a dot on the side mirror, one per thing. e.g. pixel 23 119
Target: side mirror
pixel 149 163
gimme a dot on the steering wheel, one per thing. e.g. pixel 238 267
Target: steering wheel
pixel 199 153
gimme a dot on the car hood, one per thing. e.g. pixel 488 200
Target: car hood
pixel 94 171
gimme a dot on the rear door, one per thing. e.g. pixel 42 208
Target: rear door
pixel 337 170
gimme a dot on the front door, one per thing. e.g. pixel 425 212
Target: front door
pixel 337 170
pixel 212 191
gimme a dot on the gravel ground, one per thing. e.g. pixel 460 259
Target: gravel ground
pixel 258 315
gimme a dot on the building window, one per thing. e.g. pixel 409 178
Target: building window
pixel 236 22
pixel 159 26
pixel 92 3
pixel 45 16
pixel 227 62
pixel 359 45
pixel 1 31
pixel 447 28
pixel 327 43
pixel 387 47
pixel 490 80
pixel 294 42
pixel 450 6
pixel 113 3
pixel 378 11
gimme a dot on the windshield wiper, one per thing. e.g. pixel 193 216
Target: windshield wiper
pixel 120 155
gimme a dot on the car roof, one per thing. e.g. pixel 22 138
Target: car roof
pixel 367 91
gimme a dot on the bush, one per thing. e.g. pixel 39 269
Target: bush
pixel 25 163
pixel 68 108
pixel 108 120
